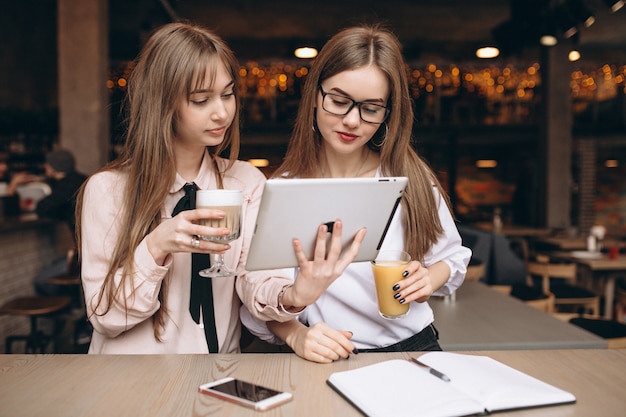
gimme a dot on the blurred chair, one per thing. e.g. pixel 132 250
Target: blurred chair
pixel 519 246
pixel 35 307
pixel 502 265
pixel 612 331
pixel 72 286
pixel 534 297
pixel 620 297
pixel 475 270
pixel 558 277
pixel 528 294
pixel 526 291
pixel 70 280
pixel 503 289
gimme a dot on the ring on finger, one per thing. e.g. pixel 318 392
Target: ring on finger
pixel 195 242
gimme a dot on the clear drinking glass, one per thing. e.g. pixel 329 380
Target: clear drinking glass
pixel 388 268
pixel 228 201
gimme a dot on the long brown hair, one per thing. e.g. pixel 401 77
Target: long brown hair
pixel 172 63
pixel 358 47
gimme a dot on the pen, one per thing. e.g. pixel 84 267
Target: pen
pixel 432 370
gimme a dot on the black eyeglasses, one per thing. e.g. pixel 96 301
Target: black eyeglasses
pixel 341 105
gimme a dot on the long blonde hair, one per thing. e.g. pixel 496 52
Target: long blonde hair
pixel 358 47
pixel 172 63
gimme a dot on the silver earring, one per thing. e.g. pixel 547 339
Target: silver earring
pixel 383 139
pixel 314 127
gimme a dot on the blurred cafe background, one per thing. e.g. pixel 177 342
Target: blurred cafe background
pixel 533 136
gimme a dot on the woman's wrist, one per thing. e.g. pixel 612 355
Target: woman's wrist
pixel 158 255
pixel 284 297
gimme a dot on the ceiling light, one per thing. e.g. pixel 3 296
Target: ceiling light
pixel 548 32
pixel 259 162
pixel 305 52
pixel 548 40
pixel 486 163
pixel 573 55
pixel 614 5
pixel 570 32
pixel 487 52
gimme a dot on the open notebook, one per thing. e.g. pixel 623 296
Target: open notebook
pixel 477 385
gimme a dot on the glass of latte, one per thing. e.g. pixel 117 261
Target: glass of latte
pixel 228 201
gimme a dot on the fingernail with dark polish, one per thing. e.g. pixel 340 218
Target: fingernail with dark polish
pixel 355 351
pixel 396 287
pixel 405 274
pixel 396 295
pixel 402 301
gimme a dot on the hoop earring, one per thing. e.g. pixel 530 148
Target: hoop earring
pixel 383 138
pixel 314 127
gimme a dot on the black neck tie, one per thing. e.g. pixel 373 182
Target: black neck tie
pixel 201 288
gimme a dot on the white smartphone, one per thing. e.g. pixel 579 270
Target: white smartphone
pixel 245 393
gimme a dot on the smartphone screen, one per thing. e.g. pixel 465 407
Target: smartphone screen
pixel 245 390
pixel 245 393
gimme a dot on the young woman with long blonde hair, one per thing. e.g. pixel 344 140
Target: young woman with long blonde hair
pixel 140 292
pixel 355 120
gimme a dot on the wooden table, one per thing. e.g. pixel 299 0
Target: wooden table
pixel 604 269
pixel 565 243
pixel 154 385
pixel 483 319
pixel 515 230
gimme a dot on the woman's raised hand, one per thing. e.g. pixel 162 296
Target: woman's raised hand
pixel 316 275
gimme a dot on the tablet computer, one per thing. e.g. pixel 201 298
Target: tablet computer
pixel 295 208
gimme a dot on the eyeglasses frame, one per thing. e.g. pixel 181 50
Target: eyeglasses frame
pixel 353 105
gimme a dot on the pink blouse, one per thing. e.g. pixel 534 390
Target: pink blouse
pixel 126 332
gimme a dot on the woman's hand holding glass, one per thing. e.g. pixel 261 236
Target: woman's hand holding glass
pixel 316 275
pixel 416 286
pixel 180 234
pixel 229 202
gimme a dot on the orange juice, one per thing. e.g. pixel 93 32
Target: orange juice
pixel 386 274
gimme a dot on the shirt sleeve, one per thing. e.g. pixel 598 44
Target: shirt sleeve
pixel 449 249
pixel 258 290
pixel 258 327
pixel 137 300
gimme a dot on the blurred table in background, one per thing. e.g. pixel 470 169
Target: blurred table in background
pixel 515 230
pixel 481 318
pixel 601 271
pixel 566 243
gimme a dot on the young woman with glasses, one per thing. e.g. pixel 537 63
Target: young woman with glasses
pixel 355 120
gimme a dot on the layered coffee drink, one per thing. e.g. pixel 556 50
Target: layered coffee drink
pixel 231 221
pixel 228 201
